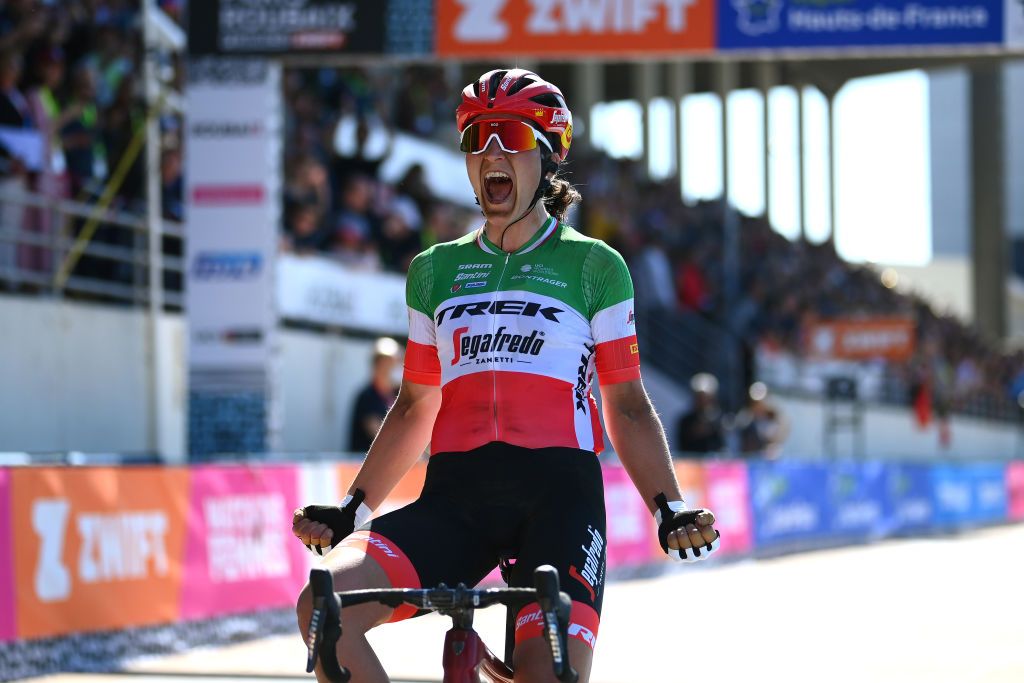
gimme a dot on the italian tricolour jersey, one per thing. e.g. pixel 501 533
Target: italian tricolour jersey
pixel 514 339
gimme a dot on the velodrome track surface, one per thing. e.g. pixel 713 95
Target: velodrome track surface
pixel 907 611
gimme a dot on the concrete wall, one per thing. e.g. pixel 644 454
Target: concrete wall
pixel 74 377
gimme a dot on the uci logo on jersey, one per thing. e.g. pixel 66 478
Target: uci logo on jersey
pixel 506 307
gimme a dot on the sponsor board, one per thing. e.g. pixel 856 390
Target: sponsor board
pixel 1015 490
pixel 297 26
pixel 1014 21
pixel 789 501
pixel 240 555
pixel 760 24
pixel 953 495
pixel 990 493
pixel 728 496
pixel 857 491
pixel 892 339
pixel 548 28
pixel 630 524
pixel 7 624
pixel 97 549
pixel 911 505
pixel 406 490
pixel 317 290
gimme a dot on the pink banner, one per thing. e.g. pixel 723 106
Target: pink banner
pixel 630 524
pixel 7 628
pixel 1015 484
pixel 727 497
pixel 240 554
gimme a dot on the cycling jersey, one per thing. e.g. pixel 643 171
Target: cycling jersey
pixel 513 339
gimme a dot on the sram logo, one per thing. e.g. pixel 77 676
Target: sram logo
pixel 482 21
pixel 117 546
pixel 506 307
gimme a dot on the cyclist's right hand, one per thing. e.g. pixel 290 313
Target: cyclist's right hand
pixel 319 527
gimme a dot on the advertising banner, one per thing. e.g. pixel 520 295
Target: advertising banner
pixel 630 523
pixel 748 24
pixel 233 193
pixel 97 549
pixel 857 491
pixel 562 28
pixel 253 27
pixel 892 339
pixel 7 627
pixel 1014 20
pixel 317 290
pixel 240 554
pixel 953 491
pixel 728 496
pixel 910 501
pixel 1015 490
pixel 789 502
pixel 989 496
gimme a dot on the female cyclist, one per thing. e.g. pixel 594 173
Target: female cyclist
pixel 507 327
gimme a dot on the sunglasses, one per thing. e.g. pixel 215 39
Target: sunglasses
pixel 512 136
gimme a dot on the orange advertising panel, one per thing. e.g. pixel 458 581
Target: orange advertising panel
pixel 548 28
pixel 96 549
pixel 406 490
pixel 890 338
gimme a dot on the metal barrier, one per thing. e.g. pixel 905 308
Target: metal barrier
pixel 34 247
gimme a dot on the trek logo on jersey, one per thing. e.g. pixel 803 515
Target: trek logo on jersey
pixel 469 347
pixel 581 378
pixel 593 570
pixel 507 307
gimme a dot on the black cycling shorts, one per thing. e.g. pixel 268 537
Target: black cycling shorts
pixel 542 506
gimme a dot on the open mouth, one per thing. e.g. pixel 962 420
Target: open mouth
pixel 497 187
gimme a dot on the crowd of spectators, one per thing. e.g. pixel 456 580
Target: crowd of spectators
pixel 70 105
pixel 67 74
pixel 336 204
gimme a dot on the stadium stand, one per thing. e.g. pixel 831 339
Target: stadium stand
pixel 80 95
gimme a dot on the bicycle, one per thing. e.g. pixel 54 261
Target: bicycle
pixel 466 658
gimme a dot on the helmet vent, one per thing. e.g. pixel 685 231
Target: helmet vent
pixel 520 84
pixel 492 86
pixel 549 100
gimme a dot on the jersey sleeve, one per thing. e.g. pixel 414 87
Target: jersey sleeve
pixel 421 363
pixel 608 291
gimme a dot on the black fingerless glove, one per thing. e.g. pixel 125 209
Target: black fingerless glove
pixel 672 516
pixel 340 520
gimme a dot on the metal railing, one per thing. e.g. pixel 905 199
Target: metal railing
pixel 38 241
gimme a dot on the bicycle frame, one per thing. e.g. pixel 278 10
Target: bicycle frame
pixel 466 658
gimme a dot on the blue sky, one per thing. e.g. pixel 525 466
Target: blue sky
pixel 883 202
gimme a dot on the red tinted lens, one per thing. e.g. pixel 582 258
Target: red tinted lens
pixel 513 136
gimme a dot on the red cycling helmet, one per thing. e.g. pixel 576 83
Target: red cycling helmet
pixel 522 93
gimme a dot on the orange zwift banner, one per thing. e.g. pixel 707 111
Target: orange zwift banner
pixel 890 338
pixel 96 549
pixel 548 28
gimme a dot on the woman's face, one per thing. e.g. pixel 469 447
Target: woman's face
pixel 504 182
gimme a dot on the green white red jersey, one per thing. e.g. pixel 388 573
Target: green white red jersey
pixel 514 339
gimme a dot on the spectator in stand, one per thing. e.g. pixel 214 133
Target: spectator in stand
pixel 21 22
pixel 120 123
pixel 356 225
pixel 172 183
pixel 303 233
pixel 375 399
pixel 16 118
pixel 692 291
pixel 652 275
pixel 701 429
pixel 81 135
pixel 760 426
pixel 399 239
pixel 307 185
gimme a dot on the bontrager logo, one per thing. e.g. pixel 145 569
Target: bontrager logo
pixel 114 546
pixel 467 347
pixel 527 308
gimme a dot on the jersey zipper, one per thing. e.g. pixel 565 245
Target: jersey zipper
pixel 494 320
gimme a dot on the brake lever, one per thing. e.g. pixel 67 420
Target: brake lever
pixel 325 628
pixel 555 606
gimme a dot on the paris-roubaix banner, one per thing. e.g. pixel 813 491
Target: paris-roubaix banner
pixel 258 27
pixel 768 24
pixel 233 149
